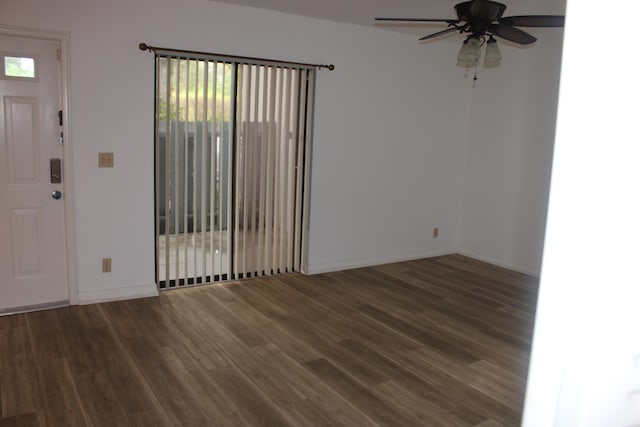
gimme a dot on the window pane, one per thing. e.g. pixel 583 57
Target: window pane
pixel 15 66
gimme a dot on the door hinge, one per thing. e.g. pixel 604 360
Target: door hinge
pixel 60 117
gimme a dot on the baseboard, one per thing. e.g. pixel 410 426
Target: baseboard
pixel 510 266
pixel 36 307
pixel 347 264
pixel 142 290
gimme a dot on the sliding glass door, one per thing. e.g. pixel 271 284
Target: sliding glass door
pixel 232 150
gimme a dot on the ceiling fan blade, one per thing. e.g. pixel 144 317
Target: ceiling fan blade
pixel 448 21
pixel 533 21
pixel 486 10
pixel 511 33
pixel 439 33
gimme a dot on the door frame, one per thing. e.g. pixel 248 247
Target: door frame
pixel 68 183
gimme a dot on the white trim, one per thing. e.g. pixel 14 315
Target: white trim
pixel 142 290
pixel 68 185
pixel 30 308
pixel 326 267
pixel 525 269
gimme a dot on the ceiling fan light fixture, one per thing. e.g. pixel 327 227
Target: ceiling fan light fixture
pixel 470 50
pixel 492 55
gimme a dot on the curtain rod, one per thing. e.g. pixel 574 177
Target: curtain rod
pixel 234 58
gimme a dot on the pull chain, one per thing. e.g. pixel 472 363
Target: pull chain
pixel 475 74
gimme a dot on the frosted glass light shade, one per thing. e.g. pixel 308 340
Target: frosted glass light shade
pixel 492 55
pixel 470 51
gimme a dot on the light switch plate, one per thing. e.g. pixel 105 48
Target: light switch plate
pixel 105 160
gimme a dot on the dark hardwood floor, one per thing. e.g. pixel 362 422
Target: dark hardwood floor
pixel 443 341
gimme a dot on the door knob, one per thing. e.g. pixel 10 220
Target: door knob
pixel 56 195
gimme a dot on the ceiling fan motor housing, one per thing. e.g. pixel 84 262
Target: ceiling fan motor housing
pixel 479 15
pixel 486 10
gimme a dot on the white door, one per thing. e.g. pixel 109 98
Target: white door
pixel 32 230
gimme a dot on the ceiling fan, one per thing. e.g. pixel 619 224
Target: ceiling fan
pixel 482 20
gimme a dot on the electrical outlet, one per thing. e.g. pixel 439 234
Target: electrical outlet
pixel 106 265
pixel 105 160
pixel 435 232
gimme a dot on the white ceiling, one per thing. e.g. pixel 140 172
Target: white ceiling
pixel 362 12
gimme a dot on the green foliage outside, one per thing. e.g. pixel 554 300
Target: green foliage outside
pixel 187 93
pixel 18 67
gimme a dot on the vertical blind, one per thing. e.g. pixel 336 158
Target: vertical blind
pixel 233 144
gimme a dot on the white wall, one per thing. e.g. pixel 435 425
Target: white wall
pixel 387 163
pixel 509 154
pixel 585 361
pixel 389 128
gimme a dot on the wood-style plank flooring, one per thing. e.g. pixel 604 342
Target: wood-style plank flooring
pixel 443 341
